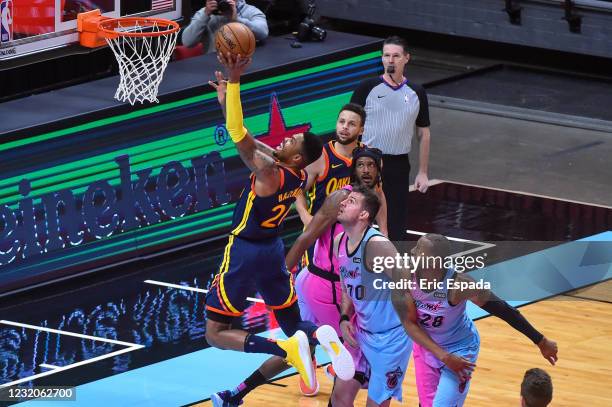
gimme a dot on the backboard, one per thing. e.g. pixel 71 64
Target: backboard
pixel 33 26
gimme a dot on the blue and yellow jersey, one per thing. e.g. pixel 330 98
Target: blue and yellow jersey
pixel 257 218
pixel 337 175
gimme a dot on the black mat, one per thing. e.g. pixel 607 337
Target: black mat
pixel 533 89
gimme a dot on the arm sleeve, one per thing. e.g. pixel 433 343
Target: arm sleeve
pixel 255 19
pixel 501 309
pixel 422 119
pixel 234 121
pixel 193 33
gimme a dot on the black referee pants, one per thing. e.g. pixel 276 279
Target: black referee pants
pixel 396 183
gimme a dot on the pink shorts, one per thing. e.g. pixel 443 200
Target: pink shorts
pixel 319 299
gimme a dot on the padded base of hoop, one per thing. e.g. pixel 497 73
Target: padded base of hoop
pixel 87 26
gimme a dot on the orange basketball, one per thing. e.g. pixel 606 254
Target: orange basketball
pixel 235 38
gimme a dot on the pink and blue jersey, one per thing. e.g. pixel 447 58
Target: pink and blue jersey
pixel 451 328
pixel 384 347
pixel 373 307
pixel 448 325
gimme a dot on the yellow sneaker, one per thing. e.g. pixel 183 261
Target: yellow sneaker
pixel 310 391
pixel 298 356
pixel 341 359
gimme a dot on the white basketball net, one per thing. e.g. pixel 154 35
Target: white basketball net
pixel 142 62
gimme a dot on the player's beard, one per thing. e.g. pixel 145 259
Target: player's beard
pixel 370 184
pixel 347 141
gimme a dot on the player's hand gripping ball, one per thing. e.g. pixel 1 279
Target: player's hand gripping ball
pixel 235 38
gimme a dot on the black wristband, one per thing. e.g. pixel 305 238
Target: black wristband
pixel 344 317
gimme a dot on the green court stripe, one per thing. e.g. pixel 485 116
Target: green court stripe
pixel 182 102
pixel 312 70
pixel 192 140
pixel 217 213
pixel 212 214
pixel 317 112
pixel 136 153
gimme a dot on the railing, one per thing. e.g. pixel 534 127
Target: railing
pixel 570 9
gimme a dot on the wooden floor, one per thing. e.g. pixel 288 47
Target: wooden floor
pixel 582 328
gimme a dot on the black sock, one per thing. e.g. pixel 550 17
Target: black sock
pixel 254 380
pixel 258 344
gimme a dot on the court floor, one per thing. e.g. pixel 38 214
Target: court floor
pixel 580 326
pixel 135 335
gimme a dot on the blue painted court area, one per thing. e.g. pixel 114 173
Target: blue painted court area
pixel 181 380
pixel 194 376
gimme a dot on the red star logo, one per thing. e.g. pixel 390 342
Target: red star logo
pixel 277 130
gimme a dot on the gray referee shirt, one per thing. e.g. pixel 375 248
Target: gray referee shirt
pixel 391 113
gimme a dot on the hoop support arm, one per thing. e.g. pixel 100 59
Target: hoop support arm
pixel 87 26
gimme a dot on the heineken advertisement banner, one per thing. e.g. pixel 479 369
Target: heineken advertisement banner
pixel 121 187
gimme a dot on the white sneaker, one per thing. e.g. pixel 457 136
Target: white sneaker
pixel 341 359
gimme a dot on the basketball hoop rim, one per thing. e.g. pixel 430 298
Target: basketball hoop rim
pixel 110 33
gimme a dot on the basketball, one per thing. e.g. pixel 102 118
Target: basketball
pixel 235 38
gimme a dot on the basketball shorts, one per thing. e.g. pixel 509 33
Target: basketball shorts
pixel 437 385
pixel 248 267
pixel 385 357
pixel 319 299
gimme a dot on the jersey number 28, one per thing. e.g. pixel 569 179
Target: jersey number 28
pixel 428 320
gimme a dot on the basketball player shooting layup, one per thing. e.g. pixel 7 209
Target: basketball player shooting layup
pixel 254 240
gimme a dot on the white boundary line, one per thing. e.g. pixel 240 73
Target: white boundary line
pixel 180 287
pixel 55 369
pixel 481 245
pixel 189 288
pixel 67 333
pixel 47 366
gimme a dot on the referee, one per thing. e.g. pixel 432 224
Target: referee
pixel 394 108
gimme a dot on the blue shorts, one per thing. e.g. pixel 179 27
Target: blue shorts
pixel 387 355
pixel 437 385
pixel 248 267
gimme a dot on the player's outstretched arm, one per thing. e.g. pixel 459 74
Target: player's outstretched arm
pixel 302 209
pixel 406 310
pixel 314 169
pixel 220 86
pixel 488 301
pixel 319 223
pixel 381 216
pixel 266 172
